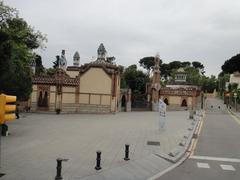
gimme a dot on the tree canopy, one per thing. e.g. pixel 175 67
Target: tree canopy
pixel 148 63
pixel 17 42
pixel 232 65
pixel 135 79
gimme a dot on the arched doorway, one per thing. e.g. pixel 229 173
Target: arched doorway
pixel 184 103
pixel 166 101
pixel 40 98
pixel 123 103
pixel 45 100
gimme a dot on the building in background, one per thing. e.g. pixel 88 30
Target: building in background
pixel 179 95
pixel 235 78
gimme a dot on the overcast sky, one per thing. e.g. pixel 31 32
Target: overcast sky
pixel 186 30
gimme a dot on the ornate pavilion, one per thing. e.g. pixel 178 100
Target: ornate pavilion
pixel 178 95
pixel 90 88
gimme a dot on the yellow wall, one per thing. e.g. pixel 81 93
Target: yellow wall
pixel 189 101
pixel 52 88
pixel 95 80
pixel 174 100
pixel 95 99
pixel 52 97
pixel 68 98
pixel 72 74
pixel 34 96
pixel 113 104
pixel 84 99
pixel 34 87
pixel 69 89
pixel 105 100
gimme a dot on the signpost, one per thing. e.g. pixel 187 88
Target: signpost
pixel 162 114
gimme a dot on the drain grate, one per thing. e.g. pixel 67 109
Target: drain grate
pixel 153 143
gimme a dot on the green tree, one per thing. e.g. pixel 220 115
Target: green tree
pixel 148 63
pixel 198 66
pixel 165 70
pixel 232 65
pixel 193 76
pixel 222 79
pixel 209 84
pixel 17 41
pixel 175 65
pixel 186 64
pixel 135 79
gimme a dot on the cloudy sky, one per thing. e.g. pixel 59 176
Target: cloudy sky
pixel 186 30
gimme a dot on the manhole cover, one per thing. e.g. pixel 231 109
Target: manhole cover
pixel 153 143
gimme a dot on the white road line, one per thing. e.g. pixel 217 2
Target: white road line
pixel 203 165
pixel 227 167
pixel 215 159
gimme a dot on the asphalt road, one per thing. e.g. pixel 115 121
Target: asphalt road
pixel 217 154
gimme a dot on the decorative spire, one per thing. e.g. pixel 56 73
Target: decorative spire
pixel 76 59
pixel 157 61
pixel 102 52
pixel 63 61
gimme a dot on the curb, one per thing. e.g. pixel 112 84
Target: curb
pixel 177 153
pixel 185 152
pixel 233 113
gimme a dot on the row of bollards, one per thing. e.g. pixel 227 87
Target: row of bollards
pixel 98 159
pixel 98 162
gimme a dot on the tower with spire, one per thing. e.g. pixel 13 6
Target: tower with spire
pixel 156 84
pixel 76 59
pixel 102 53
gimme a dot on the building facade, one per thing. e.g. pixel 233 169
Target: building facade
pixel 178 95
pixel 90 88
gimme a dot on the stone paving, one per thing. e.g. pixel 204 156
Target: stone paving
pixel 36 140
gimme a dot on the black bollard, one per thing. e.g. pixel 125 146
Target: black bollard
pixel 98 161
pixel 126 158
pixel 218 107
pixel 4 129
pixel 211 106
pixel 59 168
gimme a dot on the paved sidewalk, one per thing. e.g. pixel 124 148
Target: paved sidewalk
pixel 36 141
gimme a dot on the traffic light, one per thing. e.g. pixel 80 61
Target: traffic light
pixel 7 111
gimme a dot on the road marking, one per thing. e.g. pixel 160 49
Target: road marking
pixel 203 165
pixel 227 167
pixel 215 159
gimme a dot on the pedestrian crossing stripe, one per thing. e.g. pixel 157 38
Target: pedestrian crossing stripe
pixel 227 167
pixel 202 165
pixel 223 166
pixel 215 159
